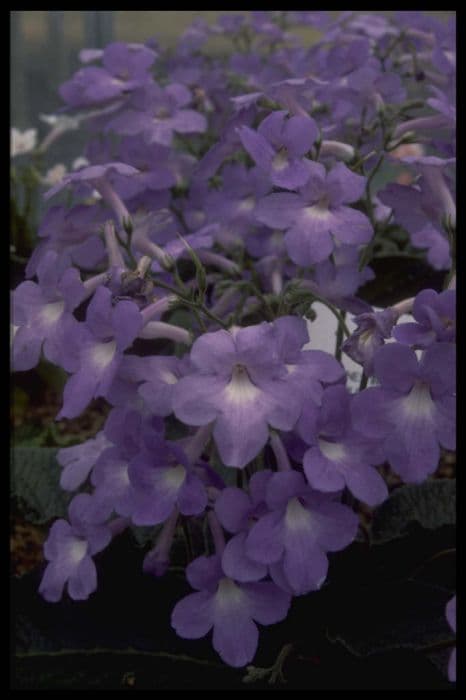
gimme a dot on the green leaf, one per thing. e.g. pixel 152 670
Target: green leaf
pixel 35 482
pixel 384 616
pixel 431 504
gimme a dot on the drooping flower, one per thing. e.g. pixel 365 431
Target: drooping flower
pixel 243 382
pixel 279 145
pixel 318 214
pixel 69 550
pixel 228 607
pixel 43 314
pixel 435 320
pixel 300 527
pixel 77 461
pixel 413 410
pixel 163 477
pixel 372 330
pixel 158 113
pixel 237 511
pixel 108 331
pixel 338 455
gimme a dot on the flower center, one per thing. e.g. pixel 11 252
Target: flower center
pixel 247 204
pixel 78 550
pixel 319 210
pixel 175 476
pixel 168 377
pixel 334 451
pixel 102 354
pixel 419 402
pixel 280 161
pixel 240 388
pixel 297 517
pixel 228 593
pixel 162 113
pixel 52 312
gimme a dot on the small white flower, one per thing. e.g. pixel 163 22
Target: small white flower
pixel 80 162
pixel 54 175
pixel 22 141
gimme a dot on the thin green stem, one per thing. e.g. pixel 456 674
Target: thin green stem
pixel 118 652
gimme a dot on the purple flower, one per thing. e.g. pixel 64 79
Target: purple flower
pixel 339 278
pixel 163 477
pixel 157 377
pixel 435 316
pixel 153 165
pixel 108 331
pixel 229 608
pixel 339 456
pixel 125 67
pixel 78 460
pixel 237 511
pixel 69 549
pixel 279 145
pixel 241 381
pixel 73 235
pixel 300 527
pixel 372 329
pixel 43 314
pixel 450 613
pixel 413 409
pixel 92 175
pixel 235 203
pixel 418 211
pixel 307 369
pixel 158 113
pixel 319 213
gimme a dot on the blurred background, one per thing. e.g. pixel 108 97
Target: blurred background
pixel 45 46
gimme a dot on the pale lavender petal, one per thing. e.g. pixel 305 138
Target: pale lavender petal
pixel 335 525
pixel 413 334
pixel 369 412
pixel 26 349
pixel 269 604
pixel 233 507
pixel 235 636
pixel 204 572
pixel 214 352
pixel 53 582
pixel 366 484
pixel 396 367
pixel 283 486
pixel 305 565
pixel 309 243
pixel 241 430
pixel 279 210
pixel 193 616
pixel 351 226
pixel 237 564
pixel 264 542
pixel 192 497
pixel 344 185
pixel 299 133
pixel 84 581
pixel 257 146
pixel 321 472
pixel 126 322
pixel 194 399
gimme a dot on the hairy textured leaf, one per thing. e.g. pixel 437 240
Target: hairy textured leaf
pixel 431 504
pixel 401 614
pixel 35 482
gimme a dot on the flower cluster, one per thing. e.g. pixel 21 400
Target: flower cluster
pixel 175 273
